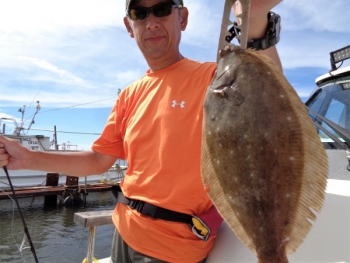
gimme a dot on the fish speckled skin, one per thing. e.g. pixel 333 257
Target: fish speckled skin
pixel 262 159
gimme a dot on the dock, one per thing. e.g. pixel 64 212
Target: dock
pixel 52 190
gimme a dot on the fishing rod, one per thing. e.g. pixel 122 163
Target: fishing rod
pixel 20 213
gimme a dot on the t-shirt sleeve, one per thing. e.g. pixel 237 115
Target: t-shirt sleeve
pixel 111 140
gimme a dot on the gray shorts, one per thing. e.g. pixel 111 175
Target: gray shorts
pixel 122 253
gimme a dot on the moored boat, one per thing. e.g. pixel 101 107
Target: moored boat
pixel 31 178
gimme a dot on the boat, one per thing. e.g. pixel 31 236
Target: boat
pixel 32 178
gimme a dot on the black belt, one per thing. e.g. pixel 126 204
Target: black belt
pixel 150 210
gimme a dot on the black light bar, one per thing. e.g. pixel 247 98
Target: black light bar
pixel 339 56
pixel 346 86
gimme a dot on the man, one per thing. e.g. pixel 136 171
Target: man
pixel 156 125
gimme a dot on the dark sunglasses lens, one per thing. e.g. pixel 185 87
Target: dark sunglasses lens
pixel 158 10
pixel 138 13
pixel 162 9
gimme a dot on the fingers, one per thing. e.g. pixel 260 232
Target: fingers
pixel 3 141
pixel 4 157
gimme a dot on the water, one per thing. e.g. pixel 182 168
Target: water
pixel 56 238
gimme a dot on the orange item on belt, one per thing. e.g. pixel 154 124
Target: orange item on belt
pixel 156 124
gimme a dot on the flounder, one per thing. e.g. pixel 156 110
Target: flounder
pixel 262 159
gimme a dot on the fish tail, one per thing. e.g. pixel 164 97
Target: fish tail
pixel 282 258
pixel 275 254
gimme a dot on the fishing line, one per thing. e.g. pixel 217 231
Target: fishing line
pixel 35 96
pixel 33 101
pixel 1 182
pixel 12 225
pixel 73 106
pixel 23 247
pixel 22 218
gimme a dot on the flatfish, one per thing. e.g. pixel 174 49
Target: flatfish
pixel 262 160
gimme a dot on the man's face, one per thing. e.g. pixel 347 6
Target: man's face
pixel 158 36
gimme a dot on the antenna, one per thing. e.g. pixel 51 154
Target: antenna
pixel 37 109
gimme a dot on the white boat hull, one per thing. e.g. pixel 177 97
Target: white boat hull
pixel 327 242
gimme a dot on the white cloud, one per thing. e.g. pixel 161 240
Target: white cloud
pixel 203 25
pixel 40 15
pixel 320 15
pixel 78 50
pixel 4 115
pixel 128 76
pixel 309 50
pixel 62 74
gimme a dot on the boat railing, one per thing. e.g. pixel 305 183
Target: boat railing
pixel 93 220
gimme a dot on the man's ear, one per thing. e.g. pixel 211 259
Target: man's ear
pixel 128 27
pixel 184 18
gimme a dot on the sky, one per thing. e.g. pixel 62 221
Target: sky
pixel 74 55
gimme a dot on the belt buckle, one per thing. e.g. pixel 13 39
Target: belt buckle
pixel 136 204
pixel 143 208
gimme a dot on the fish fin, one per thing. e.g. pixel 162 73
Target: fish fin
pixel 218 197
pixel 315 171
pixel 313 184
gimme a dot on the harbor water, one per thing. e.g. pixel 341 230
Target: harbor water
pixel 56 238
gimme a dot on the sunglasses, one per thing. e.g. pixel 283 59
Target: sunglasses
pixel 159 10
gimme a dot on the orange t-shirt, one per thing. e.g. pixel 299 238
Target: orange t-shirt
pixel 156 124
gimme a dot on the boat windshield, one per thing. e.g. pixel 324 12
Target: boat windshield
pixel 332 102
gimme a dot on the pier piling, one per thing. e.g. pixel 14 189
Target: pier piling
pixel 71 194
pixel 51 180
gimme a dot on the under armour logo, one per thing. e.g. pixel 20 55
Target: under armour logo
pixel 181 104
